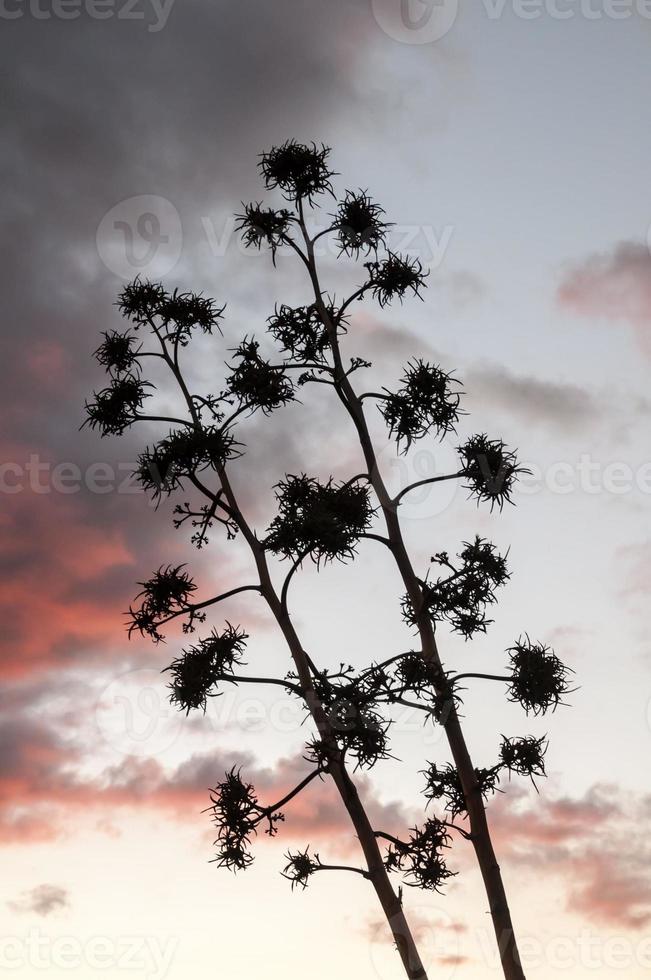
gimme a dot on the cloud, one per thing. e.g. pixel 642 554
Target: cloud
pixel 531 399
pixel 41 900
pixel 43 784
pixel 597 845
pixel 615 285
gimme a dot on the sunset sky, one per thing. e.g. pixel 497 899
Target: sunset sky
pixel 510 143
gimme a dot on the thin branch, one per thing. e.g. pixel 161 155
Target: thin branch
pixel 484 677
pixel 297 564
pixel 290 796
pixel 421 483
pixel 237 679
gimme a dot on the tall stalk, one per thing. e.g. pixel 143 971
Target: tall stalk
pixel 479 830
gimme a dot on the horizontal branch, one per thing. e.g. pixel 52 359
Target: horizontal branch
pixel 484 677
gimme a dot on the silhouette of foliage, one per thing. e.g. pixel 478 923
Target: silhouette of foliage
pixel 443 783
pixel 490 469
pixel 421 858
pixel 351 708
pixel 117 353
pixel 236 815
pixel 300 332
pixel 259 224
pixel 525 756
pixel 359 223
pixel 256 383
pixel 163 596
pixel 393 277
pixel 300 867
pixel 299 170
pixel 425 402
pixel 181 455
pixel 461 596
pixel 200 668
pixel 321 520
pixel 142 302
pixel 116 407
pixel 539 680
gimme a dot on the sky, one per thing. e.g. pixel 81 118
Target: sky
pixel 509 143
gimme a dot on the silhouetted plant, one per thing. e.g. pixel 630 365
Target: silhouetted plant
pixel 350 708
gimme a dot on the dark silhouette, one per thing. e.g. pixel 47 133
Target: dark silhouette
pixel 349 707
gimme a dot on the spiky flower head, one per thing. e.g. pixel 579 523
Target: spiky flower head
pixel 539 680
pixel 393 277
pixel 525 756
pixel 300 170
pixel 116 407
pixel 140 300
pixel 181 312
pixel 236 813
pixel 300 867
pixel 201 666
pixel 462 595
pixel 263 225
pixel 426 401
pixel 256 383
pixel 320 520
pixel 164 596
pixel 182 454
pixel 444 783
pixel 421 857
pixel 359 224
pixel 300 332
pixel 490 468
pixel 117 353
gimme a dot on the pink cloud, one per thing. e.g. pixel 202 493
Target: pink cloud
pixel 616 285
pixel 597 844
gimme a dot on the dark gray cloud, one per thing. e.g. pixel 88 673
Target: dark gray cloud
pixel 533 400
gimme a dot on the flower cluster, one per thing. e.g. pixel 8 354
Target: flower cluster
pixel 201 666
pixel 182 454
pixel 538 678
pixel 525 756
pixel 461 597
pixel 236 814
pixel 426 401
pixel 393 277
pixel 259 224
pixel 359 224
pixel 420 858
pixel 115 407
pixel 255 383
pixel 300 867
pixel 300 332
pixel 145 302
pixel 490 468
pixel 117 353
pixel 164 596
pixel 350 703
pixel 298 169
pixel 444 783
pixel 320 520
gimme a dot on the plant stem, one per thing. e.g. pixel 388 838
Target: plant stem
pixel 481 839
